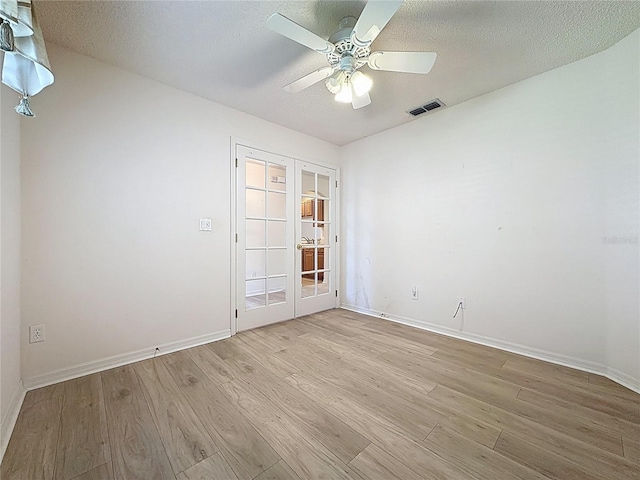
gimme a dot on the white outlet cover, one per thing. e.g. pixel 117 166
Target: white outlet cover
pixel 205 224
pixel 36 333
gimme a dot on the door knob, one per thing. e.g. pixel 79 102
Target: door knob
pixel 299 246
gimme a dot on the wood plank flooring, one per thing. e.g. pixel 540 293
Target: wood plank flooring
pixel 331 395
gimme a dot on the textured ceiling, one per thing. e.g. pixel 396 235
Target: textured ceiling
pixel 222 50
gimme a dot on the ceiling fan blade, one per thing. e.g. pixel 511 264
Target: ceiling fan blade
pixel 308 80
pixel 408 62
pixel 359 101
pixel 372 20
pixel 290 29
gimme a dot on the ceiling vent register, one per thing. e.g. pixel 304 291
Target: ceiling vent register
pixel 426 108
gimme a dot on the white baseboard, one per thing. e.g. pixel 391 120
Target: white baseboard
pixel 119 360
pixel 10 417
pixel 623 379
pixel 551 357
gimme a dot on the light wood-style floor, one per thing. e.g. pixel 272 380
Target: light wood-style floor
pixel 334 395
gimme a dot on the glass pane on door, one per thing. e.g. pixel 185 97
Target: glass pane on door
pixel 265 243
pixel 277 289
pixel 277 177
pixel 277 205
pixel 323 271
pixel 255 296
pixel 254 175
pixel 323 186
pixel 308 285
pixel 277 234
pixel 256 263
pixel 278 261
pixel 308 183
pixel 255 203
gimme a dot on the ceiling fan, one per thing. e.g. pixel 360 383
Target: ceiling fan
pixel 348 50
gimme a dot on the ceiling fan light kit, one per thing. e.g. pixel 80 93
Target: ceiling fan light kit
pixel 335 81
pixel 348 50
pixel 361 83
pixel 344 95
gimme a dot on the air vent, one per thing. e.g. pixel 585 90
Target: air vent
pixel 426 108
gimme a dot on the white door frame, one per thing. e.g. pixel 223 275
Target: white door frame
pixel 234 142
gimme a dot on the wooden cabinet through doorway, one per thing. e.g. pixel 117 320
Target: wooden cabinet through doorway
pixel 307 263
pixel 308 209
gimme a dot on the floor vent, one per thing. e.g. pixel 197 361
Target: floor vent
pixel 426 108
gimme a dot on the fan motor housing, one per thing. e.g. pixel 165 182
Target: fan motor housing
pixel 344 47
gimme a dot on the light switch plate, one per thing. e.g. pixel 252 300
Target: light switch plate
pixel 205 224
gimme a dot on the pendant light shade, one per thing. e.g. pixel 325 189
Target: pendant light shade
pixel 361 83
pixel 335 81
pixel 344 95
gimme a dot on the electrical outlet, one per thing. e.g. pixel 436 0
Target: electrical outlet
pixel 414 293
pixel 462 302
pixel 36 333
pixel 205 224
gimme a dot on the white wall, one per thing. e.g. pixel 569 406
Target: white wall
pixel 506 200
pixel 622 216
pixel 117 170
pixel 11 391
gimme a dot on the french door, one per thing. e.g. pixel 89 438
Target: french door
pixel 315 214
pixel 285 238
